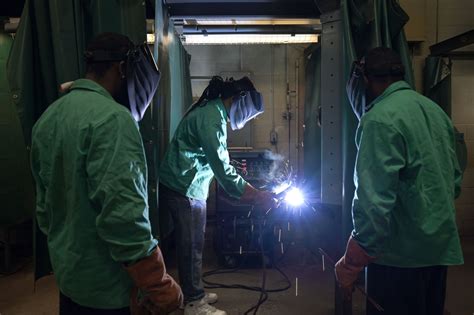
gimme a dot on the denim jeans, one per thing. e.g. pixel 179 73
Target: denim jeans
pixel 189 218
pixel 407 291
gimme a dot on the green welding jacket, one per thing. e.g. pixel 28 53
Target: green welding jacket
pixel 198 152
pixel 89 166
pixel 407 177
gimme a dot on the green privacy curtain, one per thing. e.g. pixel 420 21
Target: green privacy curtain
pixel 174 95
pixel 367 24
pixel 437 81
pixel 437 86
pixel 312 131
pixel 47 51
pixel 16 186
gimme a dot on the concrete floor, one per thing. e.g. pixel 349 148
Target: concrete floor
pixel 315 289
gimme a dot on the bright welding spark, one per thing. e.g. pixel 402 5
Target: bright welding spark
pixel 282 187
pixel 294 197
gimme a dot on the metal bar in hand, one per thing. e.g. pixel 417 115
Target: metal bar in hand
pixel 358 287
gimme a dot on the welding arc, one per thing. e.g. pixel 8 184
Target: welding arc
pixel 358 287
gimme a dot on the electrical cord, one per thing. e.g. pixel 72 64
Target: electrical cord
pixel 263 294
pixel 262 289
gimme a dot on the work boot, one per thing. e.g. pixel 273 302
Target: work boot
pixel 200 307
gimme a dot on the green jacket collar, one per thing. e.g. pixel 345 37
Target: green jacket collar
pixel 394 87
pixel 86 84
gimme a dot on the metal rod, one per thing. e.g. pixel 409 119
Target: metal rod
pixel 361 290
pixel 296 287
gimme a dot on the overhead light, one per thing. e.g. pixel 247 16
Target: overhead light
pixel 253 22
pixel 231 39
pixel 150 38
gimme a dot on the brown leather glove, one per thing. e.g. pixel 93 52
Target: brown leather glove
pixel 348 267
pixel 160 293
pixel 263 199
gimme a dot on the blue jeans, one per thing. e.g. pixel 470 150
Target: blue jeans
pixel 189 219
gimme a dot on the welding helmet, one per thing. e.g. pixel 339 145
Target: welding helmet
pixel 356 89
pixel 380 62
pixel 247 103
pixel 142 75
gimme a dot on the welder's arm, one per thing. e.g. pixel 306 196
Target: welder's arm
pixel 117 185
pixel 42 217
pixel 379 160
pixel 213 139
pixel 458 174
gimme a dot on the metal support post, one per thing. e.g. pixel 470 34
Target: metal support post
pixel 331 130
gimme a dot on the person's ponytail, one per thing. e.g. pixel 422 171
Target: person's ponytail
pixel 224 89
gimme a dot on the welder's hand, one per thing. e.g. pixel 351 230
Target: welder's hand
pixel 350 265
pixel 161 294
pixel 266 200
pixel 65 87
pixel 262 199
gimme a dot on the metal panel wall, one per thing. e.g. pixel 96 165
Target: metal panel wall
pixel 331 99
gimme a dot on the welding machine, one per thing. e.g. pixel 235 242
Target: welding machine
pixel 238 227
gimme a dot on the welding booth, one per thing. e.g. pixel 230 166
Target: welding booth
pixel 47 51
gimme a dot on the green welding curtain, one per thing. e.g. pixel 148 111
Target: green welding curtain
pixel 437 81
pixel 173 97
pixel 312 130
pixel 437 86
pixel 16 186
pixel 48 50
pixel 367 24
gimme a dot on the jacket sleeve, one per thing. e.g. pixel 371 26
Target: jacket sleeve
pixel 458 174
pixel 117 186
pixel 42 216
pixel 380 157
pixel 212 136
pixel 457 178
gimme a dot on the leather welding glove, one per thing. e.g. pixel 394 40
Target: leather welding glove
pixel 157 292
pixel 65 87
pixel 262 199
pixel 348 267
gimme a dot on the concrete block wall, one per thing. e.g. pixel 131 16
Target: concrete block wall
pixel 269 78
pixel 445 19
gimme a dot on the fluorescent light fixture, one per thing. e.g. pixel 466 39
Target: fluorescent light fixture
pixel 150 38
pixel 230 39
pixel 253 22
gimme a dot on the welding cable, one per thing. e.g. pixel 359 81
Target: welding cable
pixel 263 294
pixel 262 289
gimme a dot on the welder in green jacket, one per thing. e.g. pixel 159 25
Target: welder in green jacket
pixel 90 171
pixel 197 153
pixel 407 177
